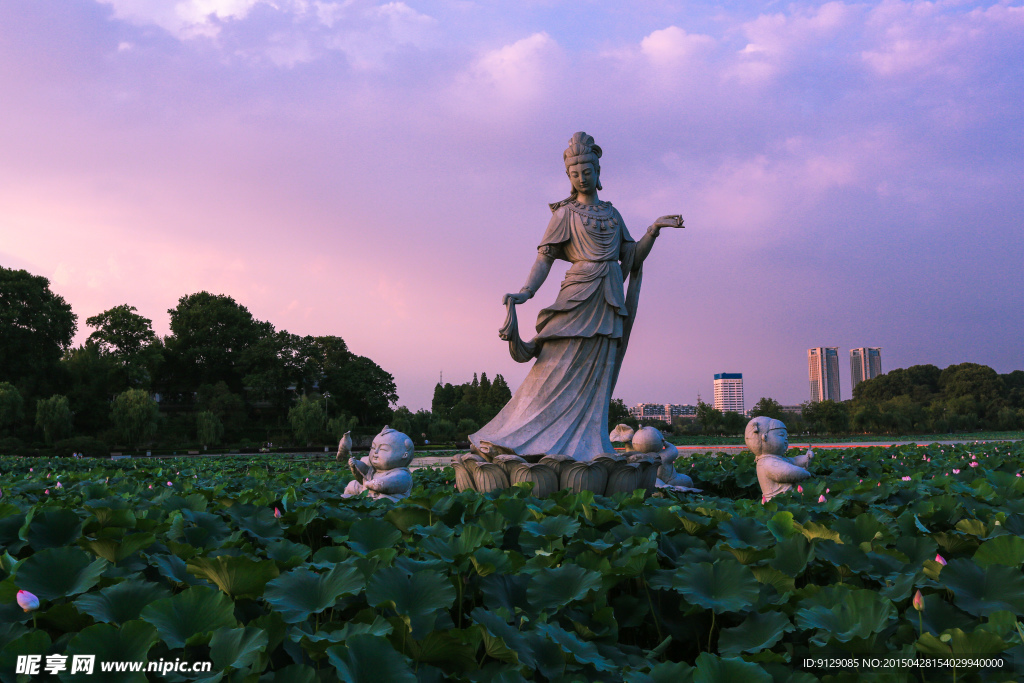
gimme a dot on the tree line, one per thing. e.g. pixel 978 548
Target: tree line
pixel 221 375
pixel 921 399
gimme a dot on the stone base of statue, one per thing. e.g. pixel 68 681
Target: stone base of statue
pixel 605 475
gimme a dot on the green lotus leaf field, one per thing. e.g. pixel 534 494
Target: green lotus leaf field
pixel 258 565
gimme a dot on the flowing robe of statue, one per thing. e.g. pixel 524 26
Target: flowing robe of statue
pixel 562 406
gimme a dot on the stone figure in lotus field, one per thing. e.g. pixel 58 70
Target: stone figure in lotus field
pixel 562 406
pixel 651 440
pixel 384 473
pixel 777 473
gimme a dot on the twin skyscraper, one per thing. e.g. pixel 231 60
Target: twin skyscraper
pixel 823 369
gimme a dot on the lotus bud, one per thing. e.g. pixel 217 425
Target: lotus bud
pixel 170 484
pixel 59 485
pixel 277 513
pixel 918 601
pixel 799 488
pixel 27 601
pixel 46 492
pixel 150 486
pixel 821 498
pixel 940 559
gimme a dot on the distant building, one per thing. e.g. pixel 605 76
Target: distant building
pixel 865 363
pixel 793 410
pixel 661 411
pixel 823 370
pixel 729 392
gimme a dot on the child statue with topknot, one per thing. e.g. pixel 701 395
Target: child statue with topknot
pixel 776 473
pixel 385 472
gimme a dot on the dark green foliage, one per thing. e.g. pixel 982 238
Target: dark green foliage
pixel 36 327
pixel 458 410
pixel 458 586
pixel 54 418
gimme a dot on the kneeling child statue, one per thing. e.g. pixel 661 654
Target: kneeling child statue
pixel 384 473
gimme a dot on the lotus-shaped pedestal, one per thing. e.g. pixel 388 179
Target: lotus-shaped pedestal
pixel 606 475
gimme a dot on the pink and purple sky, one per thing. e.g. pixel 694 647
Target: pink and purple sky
pixel 851 174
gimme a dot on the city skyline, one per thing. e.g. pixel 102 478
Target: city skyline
pixel 865 364
pixel 381 171
pixel 729 392
pixel 823 373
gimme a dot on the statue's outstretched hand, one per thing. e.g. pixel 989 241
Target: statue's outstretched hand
pixel 517 298
pixel 673 221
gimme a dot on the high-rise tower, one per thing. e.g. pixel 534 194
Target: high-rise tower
pixel 865 363
pixel 729 392
pixel 823 370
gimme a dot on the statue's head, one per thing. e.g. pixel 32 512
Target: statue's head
pixel 390 450
pixel 648 440
pixel 582 163
pixel 766 436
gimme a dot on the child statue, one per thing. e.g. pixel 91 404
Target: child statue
pixel 776 473
pixel 384 473
pixel 651 440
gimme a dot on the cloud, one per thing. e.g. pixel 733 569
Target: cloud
pixel 673 46
pixel 505 80
pixel 185 19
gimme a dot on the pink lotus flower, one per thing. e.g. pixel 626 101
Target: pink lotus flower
pixel 956 471
pixel 59 485
pixel 799 488
pixel 277 513
pixel 170 484
pixel 27 601
pixel 974 464
pixel 46 492
pixel 821 498
pixel 940 559
pixel 906 478
pixel 918 601
pixel 150 486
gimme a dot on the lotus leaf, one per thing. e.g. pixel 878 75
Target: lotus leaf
pixel 298 593
pixel 53 528
pixel 367 535
pixel 121 602
pixel 370 659
pixel 553 587
pixel 713 669
pixel 861 614
pixel 725 586
pixel 236 576
pixel 983 590
pixel 1006 550
pixel 415 597
pixel 130 641
pixel 759 631
pixel 59 572
pixel 193 612
pixel 237 648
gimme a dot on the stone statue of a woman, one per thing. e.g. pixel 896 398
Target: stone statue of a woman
pixel 562 406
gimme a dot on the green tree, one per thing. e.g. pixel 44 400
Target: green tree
pixel 709 417
pixel 227 406
pixel 826 417
pixel 94 380
pixel 307 420
pixel 209 429
pixel 464 428
pixel 337 426
pixel 135 416
pixel 12 406
pixel 618 413
pixel 54 417
pixel 36 327
pixel 733 423
pixel 767 407
pixel 441 431
pixel 127 337
pixel 212 336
